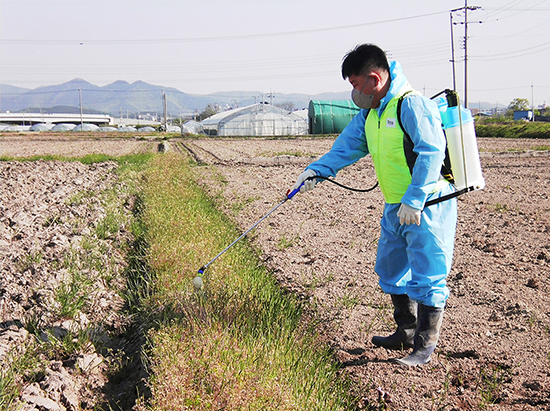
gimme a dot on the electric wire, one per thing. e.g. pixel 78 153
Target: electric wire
pixel 433 54
pixel 520 11
pixel 214 38
pixel 513 54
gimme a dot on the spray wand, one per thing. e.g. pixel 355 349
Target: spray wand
pixel 197 281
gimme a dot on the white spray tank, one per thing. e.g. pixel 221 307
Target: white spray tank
pixel 458 124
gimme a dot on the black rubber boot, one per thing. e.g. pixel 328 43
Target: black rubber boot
pixel 405 316
pixel 425 337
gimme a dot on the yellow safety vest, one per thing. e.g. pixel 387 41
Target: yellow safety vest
pixel 385 143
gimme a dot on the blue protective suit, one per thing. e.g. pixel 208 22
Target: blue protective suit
pixel 411 259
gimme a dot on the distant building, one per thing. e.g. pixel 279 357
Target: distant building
pixel 523 115
pixel 54 118
pixel 482 112
pixel 255 120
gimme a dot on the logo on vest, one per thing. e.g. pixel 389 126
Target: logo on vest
pixel 391 122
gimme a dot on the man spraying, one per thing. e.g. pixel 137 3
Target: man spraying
pixel 416 245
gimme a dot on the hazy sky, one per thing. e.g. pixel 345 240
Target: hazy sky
pixel 279 46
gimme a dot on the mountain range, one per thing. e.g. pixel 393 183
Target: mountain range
pixel 120 98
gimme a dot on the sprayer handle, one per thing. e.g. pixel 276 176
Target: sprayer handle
pixel 290 194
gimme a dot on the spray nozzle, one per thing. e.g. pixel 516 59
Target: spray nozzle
pixel 197 281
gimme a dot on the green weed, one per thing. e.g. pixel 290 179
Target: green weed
pixel 9 391
pixel 320 281
pixel 109 225
pixel 85 265
pixel 72 296
pixel 514 130
pixel 500 208
pixel 287 242
pixel 22 365
pixel 349 302
pixel 29 260
pixel 439 402
pixel 238 206
pixel 532 320
pixel 80 197
pixel 52 220
pixel 490 383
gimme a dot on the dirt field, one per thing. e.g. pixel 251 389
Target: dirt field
pixel 494 350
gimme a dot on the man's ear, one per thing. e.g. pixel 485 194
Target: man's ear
pixel 375 78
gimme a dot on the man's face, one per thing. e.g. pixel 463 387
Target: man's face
pixel 366 85
pixel 359 83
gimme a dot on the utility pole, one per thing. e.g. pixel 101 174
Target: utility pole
pixel 532 102
pixel 81 116
pixel 453 49
pixel 466 53
pixel 466 22
pixel 271 95
pixel 165 108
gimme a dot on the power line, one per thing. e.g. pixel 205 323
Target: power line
pixel 519 11
pixel 213 38
pixel 510 88
pixel 514 35
pixel 514 54
pixel 214 67
pixel 504 8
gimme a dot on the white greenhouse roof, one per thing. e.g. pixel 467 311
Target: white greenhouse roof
pixel 255 120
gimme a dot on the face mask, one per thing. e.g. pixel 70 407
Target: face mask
pixel 361 99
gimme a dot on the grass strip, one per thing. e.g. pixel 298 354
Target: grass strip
pixel 241 342
pixel 515 129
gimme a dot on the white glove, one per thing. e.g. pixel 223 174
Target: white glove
pixel 408 215
pixel 309 184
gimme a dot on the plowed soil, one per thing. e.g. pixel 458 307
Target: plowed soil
pixel 494 349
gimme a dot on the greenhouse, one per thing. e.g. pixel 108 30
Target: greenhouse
pixel 41 127
pixel 330 116
pixel 191 127
pixel 63 127
pixel 86 127
pixel 255 120
pixel 146 129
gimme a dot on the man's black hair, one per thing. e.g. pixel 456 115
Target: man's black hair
pixel 363 59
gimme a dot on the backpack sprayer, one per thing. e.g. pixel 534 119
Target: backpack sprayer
pixel 461 166
pixel 458 125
